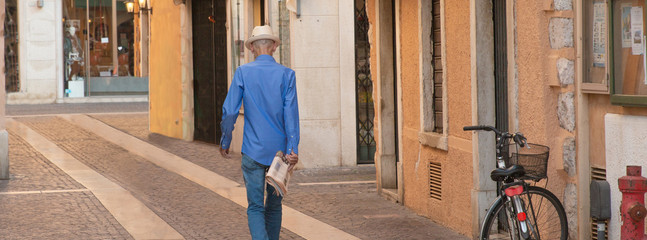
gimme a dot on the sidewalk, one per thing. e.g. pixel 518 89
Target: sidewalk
pixel 40 193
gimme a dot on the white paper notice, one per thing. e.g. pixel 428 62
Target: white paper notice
pixel 599 34
pixel 636 30
pixel 105 40
pixel 626 25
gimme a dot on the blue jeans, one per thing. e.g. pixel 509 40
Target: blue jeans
pixel 264 219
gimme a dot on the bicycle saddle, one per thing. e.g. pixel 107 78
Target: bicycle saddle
pixel 515 171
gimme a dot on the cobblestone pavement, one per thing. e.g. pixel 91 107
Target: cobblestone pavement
pixel 192 210
pixel 62 213
pixel 354 208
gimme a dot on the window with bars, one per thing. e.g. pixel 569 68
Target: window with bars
pixel 432 82
pixel 437 67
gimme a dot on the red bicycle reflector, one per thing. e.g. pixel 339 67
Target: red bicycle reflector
pixel 521 216
pixel 513 191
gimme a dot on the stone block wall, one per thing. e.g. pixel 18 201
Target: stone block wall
pixel 41 52
pixel 320 40
pixel 561 36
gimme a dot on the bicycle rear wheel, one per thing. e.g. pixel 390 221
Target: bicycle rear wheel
pixel 545 213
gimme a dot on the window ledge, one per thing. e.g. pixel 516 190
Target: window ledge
pixel 629 100
pixel 432 139
pixel 595 88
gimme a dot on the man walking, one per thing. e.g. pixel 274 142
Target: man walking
pixel 268 91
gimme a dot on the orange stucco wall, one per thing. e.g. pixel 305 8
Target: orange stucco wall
pixel 165 93
pixel 454 210
pixel 457 165
pixel 458 58
pixel 537 99
pixel 536 110
pixel 371 14
pixel 415 195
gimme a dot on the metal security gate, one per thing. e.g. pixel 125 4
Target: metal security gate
pixel 209 67
pixel 364 87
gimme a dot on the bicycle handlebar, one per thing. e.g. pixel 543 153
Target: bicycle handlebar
pixel 517 137
pixel 520 139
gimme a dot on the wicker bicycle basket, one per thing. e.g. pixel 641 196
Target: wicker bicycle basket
pixel 533 158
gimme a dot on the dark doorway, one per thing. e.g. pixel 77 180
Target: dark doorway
pixel 500 72
pixel 500 64
pixel 209 67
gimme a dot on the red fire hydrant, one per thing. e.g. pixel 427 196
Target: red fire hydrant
pixel 632 210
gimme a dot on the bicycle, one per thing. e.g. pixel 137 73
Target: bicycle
pixel 522 210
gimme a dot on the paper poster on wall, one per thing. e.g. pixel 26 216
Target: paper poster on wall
pixel 636 30
pixel 105 40
pixel 626 25
pixel 599 34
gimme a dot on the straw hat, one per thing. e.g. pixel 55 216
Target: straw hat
pixel 261 32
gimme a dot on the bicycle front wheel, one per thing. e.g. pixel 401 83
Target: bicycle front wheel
pixel 545 213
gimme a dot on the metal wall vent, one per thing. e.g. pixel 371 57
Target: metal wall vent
pixel 435 181
pixel 598 174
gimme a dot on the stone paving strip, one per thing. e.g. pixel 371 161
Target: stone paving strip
pixel 44 192
pixel 133 215
pixel 336 183
pixel 33 109
pixel 58 114
pixel 293 220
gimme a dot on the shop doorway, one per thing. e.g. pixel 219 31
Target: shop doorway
pixel 99 50
pixel 209 67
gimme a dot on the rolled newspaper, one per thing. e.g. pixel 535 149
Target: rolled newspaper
pixel 278 175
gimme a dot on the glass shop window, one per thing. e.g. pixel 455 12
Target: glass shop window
pixel 100 49
pixel 595 44
pixel 628 56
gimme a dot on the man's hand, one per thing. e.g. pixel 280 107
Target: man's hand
pixel 293 159
pixel 224 152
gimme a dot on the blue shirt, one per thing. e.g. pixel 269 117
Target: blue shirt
pixel 269 92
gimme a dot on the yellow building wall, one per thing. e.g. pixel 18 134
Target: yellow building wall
pixel 457 161
pixel 454 210
pixel 371 14
pixel 538 94
pixel 165 80
pixel 536 110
